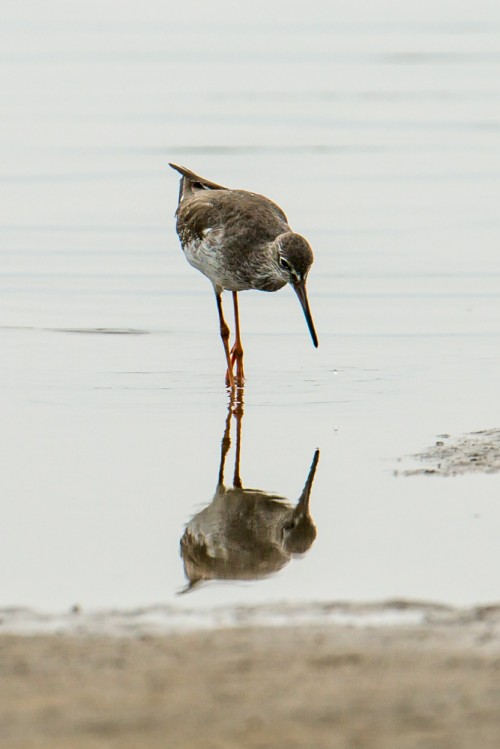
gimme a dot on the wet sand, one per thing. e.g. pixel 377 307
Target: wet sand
pixel 436 685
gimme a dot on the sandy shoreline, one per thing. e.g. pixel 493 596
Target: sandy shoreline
pixel 434 685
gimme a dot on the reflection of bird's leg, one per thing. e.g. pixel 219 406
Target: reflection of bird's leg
pixel 224 448
pixel 238 415
pixel 237 350
pixel 224 334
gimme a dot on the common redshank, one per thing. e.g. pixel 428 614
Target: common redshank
pixel 240 240
pixel 245 534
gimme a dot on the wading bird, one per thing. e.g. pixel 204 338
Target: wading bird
pixel 240 240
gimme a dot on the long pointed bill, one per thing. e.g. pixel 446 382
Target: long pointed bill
pixel 300 290
pixel 302 507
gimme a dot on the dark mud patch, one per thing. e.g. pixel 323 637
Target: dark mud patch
pixel 477 452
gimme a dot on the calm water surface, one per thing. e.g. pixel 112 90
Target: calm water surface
pixel 381 142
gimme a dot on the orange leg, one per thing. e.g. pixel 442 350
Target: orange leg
pixel 237 350
pixel 225 445
pixel 224 334
pixel 238 415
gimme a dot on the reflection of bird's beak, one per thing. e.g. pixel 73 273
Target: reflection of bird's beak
pixel 300 290
pixel 302 507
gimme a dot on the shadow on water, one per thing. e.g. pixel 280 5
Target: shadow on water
pixel 245 534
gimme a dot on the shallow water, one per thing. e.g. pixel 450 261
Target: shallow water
pixel 381 142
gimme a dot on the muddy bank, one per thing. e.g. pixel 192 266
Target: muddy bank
pixel 477 452
pixel 403 687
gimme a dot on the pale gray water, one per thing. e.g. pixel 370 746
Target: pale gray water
pixel 380 139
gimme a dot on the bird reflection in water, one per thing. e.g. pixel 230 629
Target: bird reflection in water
pixel 245 534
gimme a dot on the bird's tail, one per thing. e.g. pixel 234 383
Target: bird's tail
pixel 191 182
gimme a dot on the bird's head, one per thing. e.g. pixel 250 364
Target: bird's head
pixel 299 533
pixel 294 258
pixel 298 528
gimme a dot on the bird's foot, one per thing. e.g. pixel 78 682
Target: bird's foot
pixel 230 379
pixel 237 358
pixel 239 377
pixel 235 379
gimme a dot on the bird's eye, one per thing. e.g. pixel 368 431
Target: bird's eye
pixel 285 264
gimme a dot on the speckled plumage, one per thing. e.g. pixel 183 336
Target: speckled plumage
pixel 240 240
pixel 226 234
